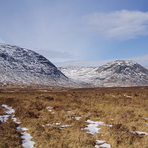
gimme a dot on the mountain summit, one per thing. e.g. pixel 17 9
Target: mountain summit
pixel 119 73
pixel 122 73
pixel 22 66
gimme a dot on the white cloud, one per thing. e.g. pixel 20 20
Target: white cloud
pixel 122 24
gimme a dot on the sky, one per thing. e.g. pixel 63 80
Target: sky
pixel 78 31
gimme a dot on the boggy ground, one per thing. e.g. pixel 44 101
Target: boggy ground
pixel 124 108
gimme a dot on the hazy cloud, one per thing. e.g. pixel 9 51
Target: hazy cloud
pixel 122 24
pixel 53 54
pixel 1 40
pixel 82 63
pixel 143 60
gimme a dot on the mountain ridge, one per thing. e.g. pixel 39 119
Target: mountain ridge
pixel 21 66
pixel 119 73
pixel 25 67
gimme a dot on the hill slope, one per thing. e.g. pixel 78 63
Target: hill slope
pixel 118 73
pixel 23 66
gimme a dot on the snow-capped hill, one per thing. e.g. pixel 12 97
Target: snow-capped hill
pixel 121 67
pixel 117 73
pixel 122 73
pixel 22 66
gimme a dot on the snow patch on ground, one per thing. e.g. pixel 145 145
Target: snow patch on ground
pixel 66 125
pixel 49 108
pixel 15 120
pixel 139 133
pixel 26 137
pixel 93 126
pixel 9 109
pixel 58 124
pixel 4 118
pixel 99 142
pixel 22 128
pixel 77 118
pixel 127 96
pixel 54 124
pixel 102 144
pixel 26 140
pixel 93 129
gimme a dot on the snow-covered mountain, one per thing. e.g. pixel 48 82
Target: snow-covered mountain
pixel 117 73
pixel 23 66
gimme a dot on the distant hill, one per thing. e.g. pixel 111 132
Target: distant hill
pixel 120 73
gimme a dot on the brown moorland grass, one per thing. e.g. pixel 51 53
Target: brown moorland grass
pixel 124 108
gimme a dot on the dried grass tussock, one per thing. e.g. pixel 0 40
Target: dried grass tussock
pixel 76 118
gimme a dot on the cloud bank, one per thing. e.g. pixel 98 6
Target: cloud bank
pixel 55 55
pixel 122 24
pixel 143 60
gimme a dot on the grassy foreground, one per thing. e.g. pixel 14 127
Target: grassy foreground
pixel 124 108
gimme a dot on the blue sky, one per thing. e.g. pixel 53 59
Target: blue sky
pixel 77 30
